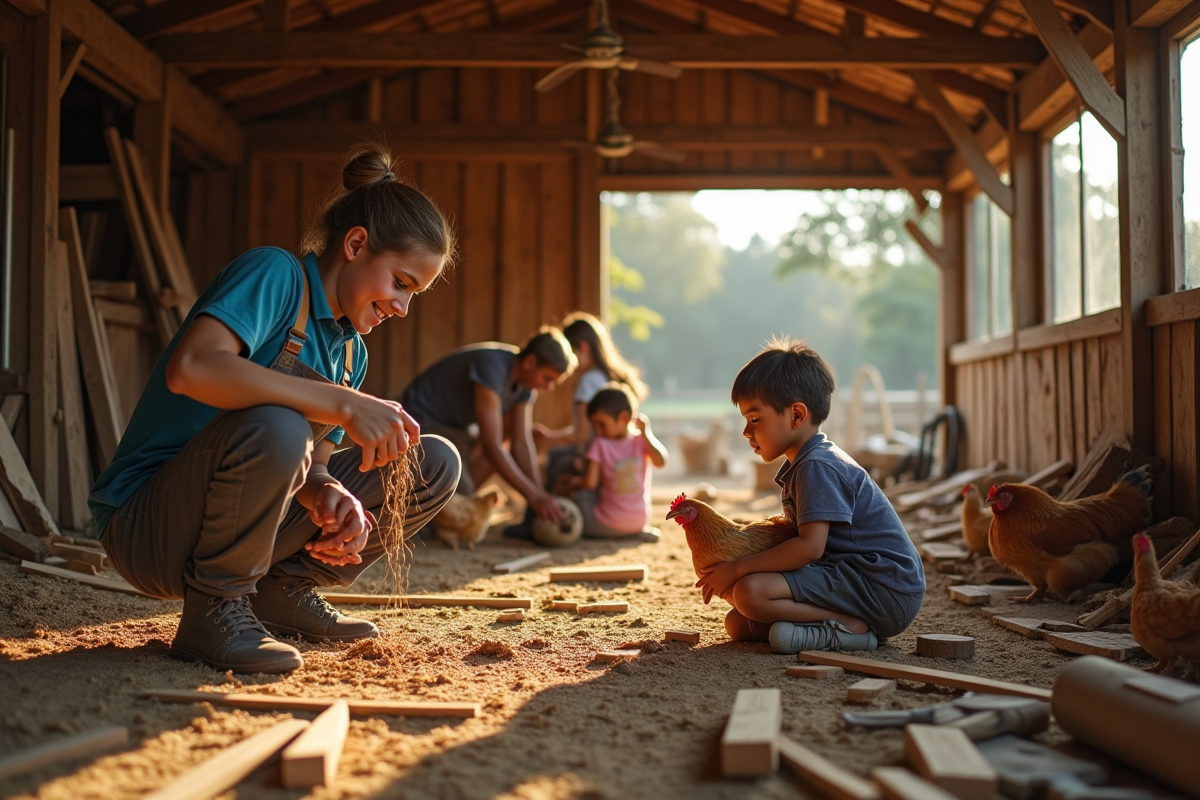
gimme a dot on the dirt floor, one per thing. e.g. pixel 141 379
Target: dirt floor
pixel 554 724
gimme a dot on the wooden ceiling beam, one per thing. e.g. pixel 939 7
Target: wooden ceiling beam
pixel 993 140
pixel 985 14
pixel 1045 93
pixel 909 17
pixel 1098 11
pixel 1153 13
pixel 994 99
pixel 173 15
pixel 888 156
pixel 543 18
pixel 693 182
pixel 379 15
pixel 759 18
pixel 694 51
pixel 303 91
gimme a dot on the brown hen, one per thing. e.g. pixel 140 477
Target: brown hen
pixel 713 537
pixel 1064 546
pixel 1165 616
pixel 976 520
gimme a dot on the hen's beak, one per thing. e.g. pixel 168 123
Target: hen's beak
pixel 989 502
pixel 672 514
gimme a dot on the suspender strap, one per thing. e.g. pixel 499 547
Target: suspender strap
pixel 296 336
pixel 348 363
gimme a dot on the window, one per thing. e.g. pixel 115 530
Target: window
pixel 1084 216
pixel 1189 84
pixel 990 281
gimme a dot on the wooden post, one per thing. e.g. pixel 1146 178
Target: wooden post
pixel 152 134
pixel 951 293
pixel 43 345
pixel 1143 215
pixel 1028 285
pixel 591 261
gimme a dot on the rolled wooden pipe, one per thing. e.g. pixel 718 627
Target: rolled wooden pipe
pixel 1148 721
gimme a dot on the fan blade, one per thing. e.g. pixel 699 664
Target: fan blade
pixel 655 150
pixel 571 47
pixel 658 68
pixel 559 75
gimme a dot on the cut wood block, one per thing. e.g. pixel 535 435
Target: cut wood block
pixel 814 671
pixel 935 677
pixel 21 490
pixel 58 562
pixel 82 567
pixel 516 615
pixel 79 744
pixel 691 637
pixel 1057 626
pixel 602 608
pixel 519 564
pixel 362 708
pixel 948 758
pixel 932 552
pixel 1117 646
pixel 95 581
pixel 970 595
pixel 945 645
pixel 947 531
pixel 1029 627
pixel 21 544
pixel 822 774
pixel 868 690
pixel 74 552
pixel 224 770
pixel 561 605
pixel 991 612
pixel 632 572
pixel 425 600
pixel 750 744
pixel 897 783
pixel 612 656
pixel 312 760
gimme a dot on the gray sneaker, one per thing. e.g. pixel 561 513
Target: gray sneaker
pixel 795 637
pixel 225 634
pixel 289 606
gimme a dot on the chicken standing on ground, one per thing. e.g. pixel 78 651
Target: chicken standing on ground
pixel 466 518
pixel 713 537
pixel 976 520
pixel 1064 546
pixel 1165 616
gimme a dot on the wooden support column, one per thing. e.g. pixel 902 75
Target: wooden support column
pixel 591 259
pixel 1027 275
pixel 1143 215
pixel 152 134
pixel 952 295
pixel 43 320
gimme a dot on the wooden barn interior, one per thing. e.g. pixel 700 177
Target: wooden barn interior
pixel 148 142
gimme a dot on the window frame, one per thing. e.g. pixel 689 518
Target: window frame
pixel 969 282
pixel 1182 27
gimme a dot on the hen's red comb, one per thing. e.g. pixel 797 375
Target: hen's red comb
pixel 1142 542
pixel 678 501
pixel 992 493
pixel 965 490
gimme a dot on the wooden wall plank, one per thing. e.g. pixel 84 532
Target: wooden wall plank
pixel 1079 401
pixel 519 253
pixel 476 91
pixel 1066 402
pixel 399 98
pixel 437 95
pixel 1163 422
pixel 715 88
pixel 280 214
pixel 1092 376
pixel 557 273
pixel 742 111
pixel 478 266
pixel 437 318
pixel 1183 400
pixel 1042 393
pixel 1112 381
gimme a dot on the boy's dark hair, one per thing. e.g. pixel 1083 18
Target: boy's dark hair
pixel 612 400
pixel 785 372
pixel 551 349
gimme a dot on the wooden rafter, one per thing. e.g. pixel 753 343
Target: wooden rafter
pixel 1098 11
pixel 895 164
pixel 276 15
pixel 759 18
pixel 377 16
pixel 543 18
pixel 964 141
pixel 303 91
pixel 1152 13
pixel 175 15
pixel 994 99
pixel 1072 57
pixel 1045 93
pixel 909 17
pixel 935 253
pixel 72 56
pixel 985 14
pixel 696 51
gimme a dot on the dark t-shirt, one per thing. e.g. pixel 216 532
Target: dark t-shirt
pixel 824 484
pixel 444 394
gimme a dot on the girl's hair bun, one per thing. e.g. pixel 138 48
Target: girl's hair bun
pixel 367 165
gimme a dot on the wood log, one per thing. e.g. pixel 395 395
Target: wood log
pixel 868 690
pixel 935 677
pixel 21 490
pixel 95 581
pixel 364 708
pixel 74 746
pixel 561 605
pixel 815 672
pixel 691 637
pixel 942 532
pixel 750 743
pixel 517 615
pixel 426 600
pixel 312 759
pixel 23 545
pixel 602 608
pixel 224 770
pixel 631 572
pixel 822 774
pixel 945 645
pixel 519 564
pixel 898 783
pixel 948 758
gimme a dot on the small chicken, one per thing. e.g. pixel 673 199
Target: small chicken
pixel 713 537
pixel 465 518
pixel 1064 546
pixel 976 520
pixel 1165 616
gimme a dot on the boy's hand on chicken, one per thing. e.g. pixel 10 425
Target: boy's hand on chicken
pixel 344 525
pixel 717 580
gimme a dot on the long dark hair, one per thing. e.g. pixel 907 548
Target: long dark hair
pixel 583 327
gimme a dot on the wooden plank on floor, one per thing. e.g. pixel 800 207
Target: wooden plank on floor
pixel 95 581
pixel 619 573
pixel 749 745
pixel 63 749
pixel 312 759
pixel 949 759
pixel 822 774
pixel 426 600
pixel 358 707
pixel 935 677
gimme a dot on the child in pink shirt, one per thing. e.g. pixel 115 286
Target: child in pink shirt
pixel 615 500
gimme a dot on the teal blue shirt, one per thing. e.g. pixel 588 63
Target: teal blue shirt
pixel 258 296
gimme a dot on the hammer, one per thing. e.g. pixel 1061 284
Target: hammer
pixel 1026 719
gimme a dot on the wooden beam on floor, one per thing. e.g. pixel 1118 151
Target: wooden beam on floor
pixel 1074 60
pixel 695 51
pixel 312 759
pixel 62 749
pixel 271 702
pixel 173 15
pixel 1044 93
pixel 964 141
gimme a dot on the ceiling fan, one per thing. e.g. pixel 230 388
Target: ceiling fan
pixel 613 141
pixel 603 48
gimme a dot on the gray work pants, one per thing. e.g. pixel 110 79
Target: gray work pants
pixel 221 514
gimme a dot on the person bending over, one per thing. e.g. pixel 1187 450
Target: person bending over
pixel 851 576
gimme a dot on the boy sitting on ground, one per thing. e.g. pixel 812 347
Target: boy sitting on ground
pixel 614 491
pixel 851 576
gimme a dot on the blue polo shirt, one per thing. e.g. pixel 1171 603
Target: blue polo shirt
pixel 258 296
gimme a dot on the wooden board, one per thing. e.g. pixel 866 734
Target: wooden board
pixel 174 274
pixel 631 572
pixel 224 770
pixel 363 708
pixel 868 690
pixel 92 555
pixel 691 637
pixel 1028 627
pixel 516 565
pixel 602 608
pixel 517 615
pixel 815 672
pixel 1117 646
pixel 912 500
pixel 1059 469
pixel 75 480
pixel 74 746
pixel 749 745
pixel 822 774
pixel 936 677
pixel 948 758
pixel 982 595
pixel 1114 606
pixel 21 544
pixel 21 490
pixel 614 656
pixel 425 600
pixel 898 783
pixel 940 532
pixel 312 759
pixel 933 552
pixel 95 581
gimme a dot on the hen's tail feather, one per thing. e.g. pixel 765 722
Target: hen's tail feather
pixel 1140 479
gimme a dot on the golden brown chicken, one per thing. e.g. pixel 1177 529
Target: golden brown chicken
pixel 1064 546
pixel 976 520
pixel 1165 616
pixel 465 518
pixel 713 537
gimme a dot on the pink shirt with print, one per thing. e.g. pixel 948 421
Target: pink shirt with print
pixel 624 497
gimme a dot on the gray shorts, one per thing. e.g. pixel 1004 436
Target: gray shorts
pixel 839 587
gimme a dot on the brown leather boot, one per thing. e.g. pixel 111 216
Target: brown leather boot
pixel 290 606
pixel 225 634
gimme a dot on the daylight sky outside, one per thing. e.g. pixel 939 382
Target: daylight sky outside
pixel 739 215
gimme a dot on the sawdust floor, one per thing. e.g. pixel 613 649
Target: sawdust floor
pixel 554 725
